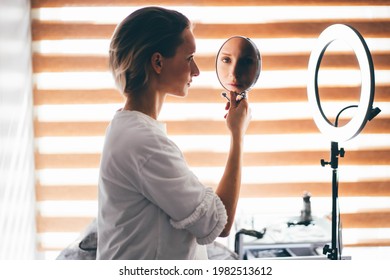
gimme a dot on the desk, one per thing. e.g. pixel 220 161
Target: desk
pixel 287 239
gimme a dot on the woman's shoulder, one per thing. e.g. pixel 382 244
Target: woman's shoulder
pixel 137 128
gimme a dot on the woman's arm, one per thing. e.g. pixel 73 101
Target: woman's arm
pixel 228 190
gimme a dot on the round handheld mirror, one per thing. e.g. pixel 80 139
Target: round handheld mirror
pixel 238 64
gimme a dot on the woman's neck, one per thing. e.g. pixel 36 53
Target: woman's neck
pixel 147 102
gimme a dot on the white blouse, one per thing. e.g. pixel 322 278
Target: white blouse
pixel 151 206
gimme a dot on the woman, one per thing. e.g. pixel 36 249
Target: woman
pixel 151 206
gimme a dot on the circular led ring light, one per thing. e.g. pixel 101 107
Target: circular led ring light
pixel 356 41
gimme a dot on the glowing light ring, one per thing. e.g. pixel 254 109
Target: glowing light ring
pixel 356 41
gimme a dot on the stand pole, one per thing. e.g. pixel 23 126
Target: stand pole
pixel 333 252
pixel 333 255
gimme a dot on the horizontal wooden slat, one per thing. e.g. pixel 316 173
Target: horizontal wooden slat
pixel 62 224
pixel 42 129
pixel 80 63
pixel 306 29
pixel 377 219
pixel 43 97
pixel 87 96
pixel 66 192
pixel 82 3
pixel 66 161
pixel 199 159
pixel 372 188
pixel 290 158
pixel 374 219
pixel 290 29
pixel 69 63
pixel 77 63
pixel 202 127
pixel 61 31
pixel 262 190
pixel 368 243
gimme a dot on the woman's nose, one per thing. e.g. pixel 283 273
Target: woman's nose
pixel 194 69
pixel 233 72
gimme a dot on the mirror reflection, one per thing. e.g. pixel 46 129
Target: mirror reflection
pixel 238 64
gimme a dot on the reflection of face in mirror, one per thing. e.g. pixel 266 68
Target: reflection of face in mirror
pixel 238 64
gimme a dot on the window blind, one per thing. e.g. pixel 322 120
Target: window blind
pixel 75 98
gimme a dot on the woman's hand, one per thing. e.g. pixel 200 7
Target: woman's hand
pixel 238 116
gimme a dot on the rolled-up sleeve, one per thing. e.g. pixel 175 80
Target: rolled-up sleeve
pixel 168 183
pixel 207 221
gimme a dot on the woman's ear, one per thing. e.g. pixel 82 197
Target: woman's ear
pixel 157 62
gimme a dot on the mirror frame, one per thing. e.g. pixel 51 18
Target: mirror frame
pixel 259 61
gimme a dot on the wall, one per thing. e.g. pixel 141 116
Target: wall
pixel 17 193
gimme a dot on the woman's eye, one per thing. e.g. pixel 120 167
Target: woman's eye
pixel 225 59
pixel 246 62
pixel 249 61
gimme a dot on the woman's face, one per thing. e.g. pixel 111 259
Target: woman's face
pixel 237 64
pixel 177 71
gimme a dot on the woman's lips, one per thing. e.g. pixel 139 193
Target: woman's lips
pixel 236 85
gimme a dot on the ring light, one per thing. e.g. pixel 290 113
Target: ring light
pixel 356 41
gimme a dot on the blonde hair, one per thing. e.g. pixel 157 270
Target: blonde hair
pixel 137 38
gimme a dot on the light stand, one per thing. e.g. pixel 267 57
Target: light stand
pixel 334 253
pixel 365 110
